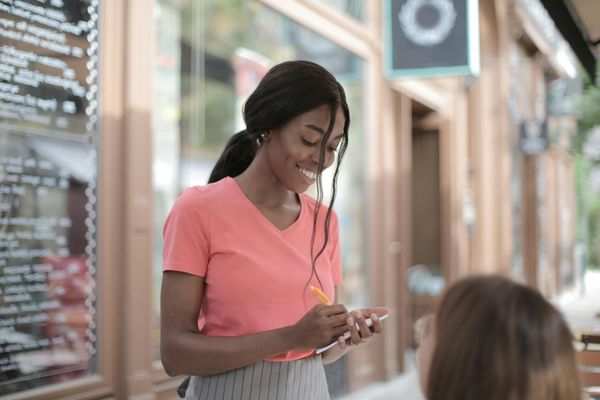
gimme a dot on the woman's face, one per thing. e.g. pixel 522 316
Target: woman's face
pixel 293 149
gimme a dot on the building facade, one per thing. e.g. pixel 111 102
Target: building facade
pixel 110 109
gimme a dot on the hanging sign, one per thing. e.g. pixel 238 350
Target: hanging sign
pixel 534 137
pixel 431 37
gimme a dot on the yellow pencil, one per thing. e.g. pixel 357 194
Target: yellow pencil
pixel 320 295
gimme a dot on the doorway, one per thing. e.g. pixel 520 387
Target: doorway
pixel 425 278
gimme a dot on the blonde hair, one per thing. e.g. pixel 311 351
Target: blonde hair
pixel 499 340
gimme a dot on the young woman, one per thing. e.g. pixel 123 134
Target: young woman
pixel 240 253
pixel 495 339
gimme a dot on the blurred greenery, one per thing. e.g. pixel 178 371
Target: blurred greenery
pixel 587 198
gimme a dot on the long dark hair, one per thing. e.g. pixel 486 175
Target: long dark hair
pixel 496 339
pixel 286 91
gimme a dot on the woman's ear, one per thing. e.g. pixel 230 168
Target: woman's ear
pixel 265 136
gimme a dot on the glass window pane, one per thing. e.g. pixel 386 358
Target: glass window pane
pixel 354 8
pixel 48 168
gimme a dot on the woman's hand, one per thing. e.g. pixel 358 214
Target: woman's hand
pixel 320 326
pixel 357 326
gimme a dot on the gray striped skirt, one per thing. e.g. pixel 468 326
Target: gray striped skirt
pixel 291 380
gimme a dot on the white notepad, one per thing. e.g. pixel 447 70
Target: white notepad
pixel 347 334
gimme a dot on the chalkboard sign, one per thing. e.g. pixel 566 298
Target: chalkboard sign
pixel 431 37
pixel 48 175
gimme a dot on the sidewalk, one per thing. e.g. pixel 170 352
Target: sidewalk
pixel 405 387
pixel 579 308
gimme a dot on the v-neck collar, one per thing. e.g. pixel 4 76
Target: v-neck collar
pixel 260 214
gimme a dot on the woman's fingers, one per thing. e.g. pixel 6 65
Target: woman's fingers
pixel 338 320
pixel 363 328
pixel 329 311
pixel 376 327
pixel 379 311
pixel 354 335
pixel 339 331
pixel 356 324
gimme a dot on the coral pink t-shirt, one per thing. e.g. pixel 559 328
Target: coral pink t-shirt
pixel 255 274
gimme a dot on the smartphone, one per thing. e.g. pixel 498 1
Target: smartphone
pixel 347 334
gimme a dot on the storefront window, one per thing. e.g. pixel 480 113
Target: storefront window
pixel 354 8
pixel 563 100
pixel 211 55
pixel 48 177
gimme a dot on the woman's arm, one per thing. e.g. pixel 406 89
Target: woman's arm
pixel 185 351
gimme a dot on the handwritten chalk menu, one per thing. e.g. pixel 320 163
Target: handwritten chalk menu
pixel 48 176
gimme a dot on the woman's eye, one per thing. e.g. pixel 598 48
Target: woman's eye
pixel 332 149
pixel 308 143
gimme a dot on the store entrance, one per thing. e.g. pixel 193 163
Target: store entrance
pixel 424 278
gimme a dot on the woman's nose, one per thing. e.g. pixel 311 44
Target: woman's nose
pixel 327 159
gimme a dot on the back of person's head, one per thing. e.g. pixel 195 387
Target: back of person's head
pixel 499 340
pixel 286 91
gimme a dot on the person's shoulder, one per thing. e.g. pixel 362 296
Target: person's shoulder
pixel 203 195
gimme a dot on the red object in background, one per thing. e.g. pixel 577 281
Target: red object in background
pixel 71 284
pixel 249 67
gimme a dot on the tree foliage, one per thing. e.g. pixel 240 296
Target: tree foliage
pixel 588 200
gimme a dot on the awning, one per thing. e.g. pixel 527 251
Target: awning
pixel 577 21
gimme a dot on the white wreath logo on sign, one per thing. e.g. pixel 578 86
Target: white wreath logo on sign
pixel 427 35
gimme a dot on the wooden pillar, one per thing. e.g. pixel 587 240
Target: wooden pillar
pixel 137 311
pixel 529 223
pixel 490 148
pixel 453 180
pixel 111 214
pixel 404 220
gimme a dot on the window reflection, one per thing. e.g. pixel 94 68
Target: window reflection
pixel 354 8
pixel 48 156
pixel 47 328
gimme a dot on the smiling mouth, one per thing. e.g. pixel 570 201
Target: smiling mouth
pixel 307 173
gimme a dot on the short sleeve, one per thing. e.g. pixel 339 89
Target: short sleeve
pixel 336 259
pixel 186 235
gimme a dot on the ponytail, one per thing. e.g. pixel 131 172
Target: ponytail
pixel 237 156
